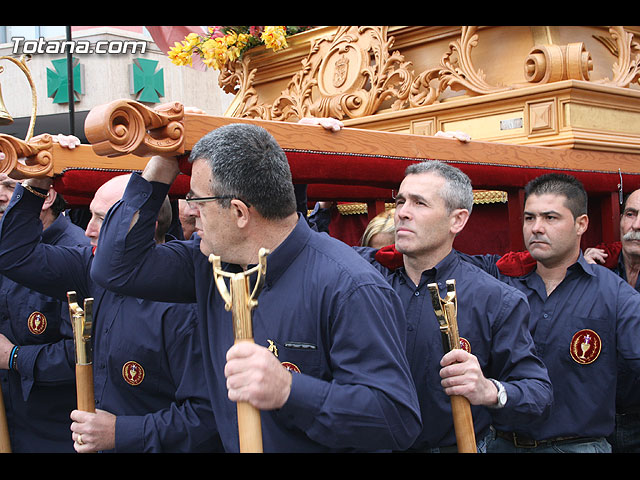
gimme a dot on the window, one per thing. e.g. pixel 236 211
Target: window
pixel 30 32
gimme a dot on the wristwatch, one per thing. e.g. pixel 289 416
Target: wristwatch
pixel 502 394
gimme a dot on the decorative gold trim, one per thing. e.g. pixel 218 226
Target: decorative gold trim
pixel 479 197
pixel 489 196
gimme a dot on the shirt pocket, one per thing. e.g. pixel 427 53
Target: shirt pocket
pixel 300 356
pixel 40 320
pixel 587 341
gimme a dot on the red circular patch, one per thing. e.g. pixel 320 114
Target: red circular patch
pixel 465 345
pixel 585 346
pixel 133 373
pixel 291 367
pixel 37 323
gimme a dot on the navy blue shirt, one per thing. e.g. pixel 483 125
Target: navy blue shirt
pixel 493 325
pixel 628 389
pixel 325 309
pixel 589 319
pixel 39 399
pixel 147 360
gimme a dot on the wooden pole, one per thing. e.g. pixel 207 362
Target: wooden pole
pixel 82 322
pixel 84 388
pixel 446 313
pixel 5 441
pixel 241 300
pixel 460 407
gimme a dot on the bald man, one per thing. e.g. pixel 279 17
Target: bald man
pixel 145 353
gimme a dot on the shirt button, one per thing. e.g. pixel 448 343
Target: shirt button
pixel 417 293
pixel 545 315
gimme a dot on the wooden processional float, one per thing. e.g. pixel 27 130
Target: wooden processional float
pixel 368 165
pixel 357 160
pixel 354 157
pixel 350 165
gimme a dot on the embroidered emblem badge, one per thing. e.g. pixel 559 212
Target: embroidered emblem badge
pixel 37 323
pixel 585 346
pixel 133 373
pixel 291 367
pixel 465 345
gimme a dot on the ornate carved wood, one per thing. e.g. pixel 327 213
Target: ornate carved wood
pixel 132 128
pixel 42 157
pixel 348 74
pixel 36 152
pixel 361 157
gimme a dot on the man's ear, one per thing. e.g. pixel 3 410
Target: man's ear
pixel 50 199
pixel 459 218
pixel 582 223
pixel 241 211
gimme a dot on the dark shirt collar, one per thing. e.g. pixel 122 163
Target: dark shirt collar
pixel 580 266
pixel 585 266
pixel 444 268
pixel 278 261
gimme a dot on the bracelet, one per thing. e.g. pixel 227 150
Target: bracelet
pixel 34 191
pixel 13 358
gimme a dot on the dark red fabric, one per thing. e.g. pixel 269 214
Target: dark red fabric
pixel 389 257
pixel 387 172
pixel 516 264
pixel 613 251
pixel 78 186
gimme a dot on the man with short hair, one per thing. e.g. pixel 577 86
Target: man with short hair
pixel 496 369
pixel 146 355
pixel 327 369
pixel 583 318
pixel 623 258
pixel 38 383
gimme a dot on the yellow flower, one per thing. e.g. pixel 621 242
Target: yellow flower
pixel 274 38
pixel 180 55
pixel 226 47
pixel 231 38
pixel 243 40
pixel 192 39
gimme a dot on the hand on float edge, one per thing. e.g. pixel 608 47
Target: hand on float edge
pixel 66 141
pixel 327 123
pixel 461 136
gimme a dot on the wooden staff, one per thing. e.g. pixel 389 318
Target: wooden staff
pixel 5 441
pixel 241 300
pixel 82 322
pixel 446 311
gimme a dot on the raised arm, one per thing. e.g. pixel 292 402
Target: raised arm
pixel 129 261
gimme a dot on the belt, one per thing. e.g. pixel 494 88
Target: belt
pixel 629 411
pixel 522 441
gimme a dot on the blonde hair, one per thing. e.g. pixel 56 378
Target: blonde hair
pixel 381 223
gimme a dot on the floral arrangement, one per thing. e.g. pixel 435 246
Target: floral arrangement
pixel 226 44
